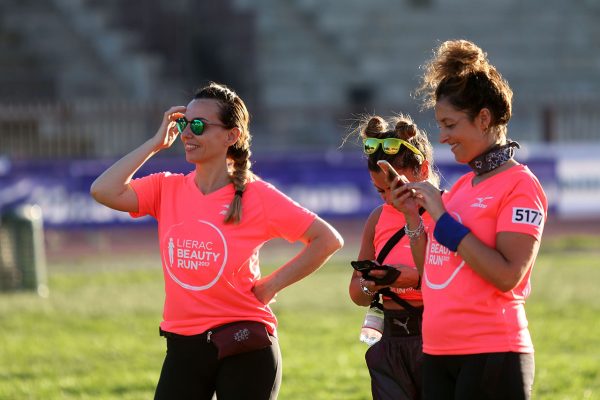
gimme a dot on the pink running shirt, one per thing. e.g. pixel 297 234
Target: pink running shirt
pixel 390 221
pixel 210 267
pixel 464 314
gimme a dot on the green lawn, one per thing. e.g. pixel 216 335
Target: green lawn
pixel 96 336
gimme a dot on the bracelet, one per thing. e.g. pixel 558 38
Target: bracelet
pixel 365 289
pixel 415 233
pixel 449 232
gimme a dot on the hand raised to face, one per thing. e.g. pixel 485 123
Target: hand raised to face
pixel 401 196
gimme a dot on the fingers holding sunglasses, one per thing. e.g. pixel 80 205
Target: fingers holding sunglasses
pixel 175 115
pixel 167 133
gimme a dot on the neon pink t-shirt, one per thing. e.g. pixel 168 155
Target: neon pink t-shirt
pixel 390 221
pixel 210 267
pixel 464 314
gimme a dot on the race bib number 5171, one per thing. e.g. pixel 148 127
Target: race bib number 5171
pixel 527 216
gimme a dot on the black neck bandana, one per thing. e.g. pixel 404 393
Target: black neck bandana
pixel 493 158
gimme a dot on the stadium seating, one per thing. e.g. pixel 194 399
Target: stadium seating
pixel 303 66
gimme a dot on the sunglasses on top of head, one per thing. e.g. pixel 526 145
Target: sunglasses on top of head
pixel 389 146
pixel 196 125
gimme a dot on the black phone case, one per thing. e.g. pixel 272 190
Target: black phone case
pixel 366 266
pixel 363 265
pixel 390 276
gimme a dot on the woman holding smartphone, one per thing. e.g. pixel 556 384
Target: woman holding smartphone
pixel 478 250
pixel 395 361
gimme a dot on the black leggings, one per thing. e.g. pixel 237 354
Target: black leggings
pixel 485 376
pixel 191 370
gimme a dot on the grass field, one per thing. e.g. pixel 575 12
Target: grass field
pixel 96 336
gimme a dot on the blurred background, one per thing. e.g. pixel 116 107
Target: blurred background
pixel 83 82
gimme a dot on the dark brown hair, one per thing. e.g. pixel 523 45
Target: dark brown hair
pixel 374 126
pixel 460 72
pixel 233 114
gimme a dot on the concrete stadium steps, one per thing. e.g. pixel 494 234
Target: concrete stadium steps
pixel 531 43
pixel 516 35
pixel 22 75
pixel 303 66
pixel 60 50
pixel 192 42
pixel 76 45
pixel 134 71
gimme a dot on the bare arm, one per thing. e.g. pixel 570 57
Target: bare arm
pixel 366 252
pixel 409 277
pixel 112 187
pixel 506 265
pixel 321 241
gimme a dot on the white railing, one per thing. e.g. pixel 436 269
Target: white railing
pixel 82 129
pixel 110 129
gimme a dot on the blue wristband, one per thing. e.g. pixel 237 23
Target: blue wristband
pixel 449 232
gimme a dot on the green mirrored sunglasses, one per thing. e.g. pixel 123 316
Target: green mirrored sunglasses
pixel 196 125
pixel 389 146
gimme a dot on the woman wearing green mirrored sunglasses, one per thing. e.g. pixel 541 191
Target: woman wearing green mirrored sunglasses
pixel 394 362
pixel 214 290
pixel 196 125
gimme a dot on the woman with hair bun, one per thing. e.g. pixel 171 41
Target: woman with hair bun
pixel 394 362
pixel 220 331
pixel 477 252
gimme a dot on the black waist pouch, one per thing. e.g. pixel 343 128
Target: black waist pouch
pixel 239 337
pixel 398 323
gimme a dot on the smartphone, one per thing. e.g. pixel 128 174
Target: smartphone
pixel 364 265
pixel 392 174
pixel 387 168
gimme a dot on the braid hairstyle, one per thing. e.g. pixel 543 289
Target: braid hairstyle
pixel 374 126
pixel 461 73
pixel 233 114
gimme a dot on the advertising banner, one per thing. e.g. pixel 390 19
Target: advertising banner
pixel 334 185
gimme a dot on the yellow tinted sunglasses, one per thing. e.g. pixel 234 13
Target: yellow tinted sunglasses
pixel 389 146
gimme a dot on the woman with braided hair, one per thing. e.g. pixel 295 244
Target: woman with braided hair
pixel 394 362
pixel 220 331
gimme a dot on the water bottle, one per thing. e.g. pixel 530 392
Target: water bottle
pixel 372 327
